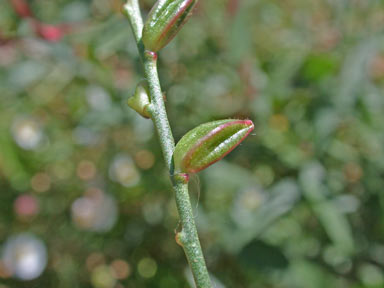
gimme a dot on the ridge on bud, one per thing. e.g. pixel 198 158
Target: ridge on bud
pixel 164 21
pixel 208 143
pixel 140 100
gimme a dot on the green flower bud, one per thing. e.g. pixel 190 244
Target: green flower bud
pixel 140 100
pixel 164 21
pixel 208 143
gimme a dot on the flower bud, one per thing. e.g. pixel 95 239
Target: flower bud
pixel 208 143
pixel 140 100
pixel 164 21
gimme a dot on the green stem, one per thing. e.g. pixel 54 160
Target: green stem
pixel 157 108
pixel 188 237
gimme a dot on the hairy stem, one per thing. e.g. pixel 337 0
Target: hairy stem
pixel 188 237
pixel 157 108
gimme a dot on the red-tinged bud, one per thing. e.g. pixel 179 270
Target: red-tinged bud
pixel 140 100
pixel 164 21
pixel 48 32
pixel 208 143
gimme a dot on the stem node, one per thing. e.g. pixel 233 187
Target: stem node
pixel 150 55
pixel 181 177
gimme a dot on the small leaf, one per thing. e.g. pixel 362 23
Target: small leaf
pixel 208 143
pixel 140 100
pixel 164 21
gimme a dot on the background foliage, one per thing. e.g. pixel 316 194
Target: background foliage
pixel 299 204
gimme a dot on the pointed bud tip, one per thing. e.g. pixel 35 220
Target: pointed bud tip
pixel 245 122
pixel 249 123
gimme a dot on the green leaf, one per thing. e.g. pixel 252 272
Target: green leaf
pixel 208 143
pixel 164 21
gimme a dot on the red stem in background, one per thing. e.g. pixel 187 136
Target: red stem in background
pixel 51 33
pixel 21 8
pixel 232 7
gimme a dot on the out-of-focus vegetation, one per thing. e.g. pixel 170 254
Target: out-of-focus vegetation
pixel 85 200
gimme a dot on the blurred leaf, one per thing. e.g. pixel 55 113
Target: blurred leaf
pixel 335 224
pixel 318 66
pixel 262 256
pixel 354 73
pixel 305 274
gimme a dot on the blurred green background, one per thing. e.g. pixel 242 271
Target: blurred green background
pixel 85 198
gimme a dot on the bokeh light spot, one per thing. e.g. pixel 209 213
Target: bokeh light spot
pixel 86 170
pixel 41 182
pixel 123 171
pixel 102 277
pixel 26 206
pixel 121 269
pixel 147 267
pixel 96 211
pixel 27 133
pixel 144 159
pixel 25 256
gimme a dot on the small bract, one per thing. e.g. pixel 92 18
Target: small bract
pixel 140 100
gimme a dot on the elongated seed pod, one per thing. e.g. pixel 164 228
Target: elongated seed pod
pixel 164 21
pixel 208 143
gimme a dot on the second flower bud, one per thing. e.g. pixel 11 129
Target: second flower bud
pixel 164 21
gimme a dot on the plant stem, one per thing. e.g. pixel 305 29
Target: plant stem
pixel 188 237
pixel 157 108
